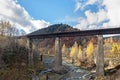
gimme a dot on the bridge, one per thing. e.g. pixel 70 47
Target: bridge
pixel 58 54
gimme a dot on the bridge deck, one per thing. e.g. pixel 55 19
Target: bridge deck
pixel 77 33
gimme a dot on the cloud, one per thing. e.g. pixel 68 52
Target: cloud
pixel 11 11
pixel 77 6
pixel 80 5
pixel 90 2
pixel 91 17
pixel 113 12
pixel 92 20
pixel 107 16
pixel 83 24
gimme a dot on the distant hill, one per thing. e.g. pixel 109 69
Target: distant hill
pixel 54 29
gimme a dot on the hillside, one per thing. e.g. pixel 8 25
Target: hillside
pixel 54 29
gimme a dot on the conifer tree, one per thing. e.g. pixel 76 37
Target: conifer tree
pixel 74 51
pixel 80 52
pixel 90 49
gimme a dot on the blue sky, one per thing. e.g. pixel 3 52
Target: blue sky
pixel 53 11
pixel 31 15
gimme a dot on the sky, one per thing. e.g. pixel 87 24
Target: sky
pixel 31 15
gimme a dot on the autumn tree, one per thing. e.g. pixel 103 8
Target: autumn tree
pixel 115 54
pixel 64 50
pixel 79 52
pixel 79 55
pixel 115 51
pixel 74 51
pixel 90 49
pixel 90 53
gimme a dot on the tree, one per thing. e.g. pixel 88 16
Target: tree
pixel 115 54
pixel 115 51
pixel 7 29
pixel 4 27
pixel 90 49
pixel 64 49
pixel 80 52
pixel 90 54
pixel 74 51
pixel 79 55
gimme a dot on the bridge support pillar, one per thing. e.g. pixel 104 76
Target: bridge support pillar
pixel 58 55
pixel 100 57
pixel 30 52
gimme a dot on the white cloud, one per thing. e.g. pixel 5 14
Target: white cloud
pixel 89 2
pixel 11 11
pixel 92 20
pixel 83 24
pixel 81 5
pixel 102 15
pixel 40 23
pixel 77 6
pixel 91 17
pixel 113 11
pixel 110 13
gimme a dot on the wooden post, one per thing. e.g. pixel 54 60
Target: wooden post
pixel 30 52
pixel 58 54
pixel 100 57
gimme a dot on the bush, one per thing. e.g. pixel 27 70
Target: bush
pixel 13 56
pixel 14 74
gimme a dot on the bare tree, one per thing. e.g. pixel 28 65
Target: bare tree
pixel 6 29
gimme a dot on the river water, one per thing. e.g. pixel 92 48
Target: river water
pixel 74 73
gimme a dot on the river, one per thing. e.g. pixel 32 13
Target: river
pixel 74 73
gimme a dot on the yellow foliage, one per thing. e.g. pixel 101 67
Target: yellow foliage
pixel 115 51
pixel 90 49
pixel 74 50
pixel 80 52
